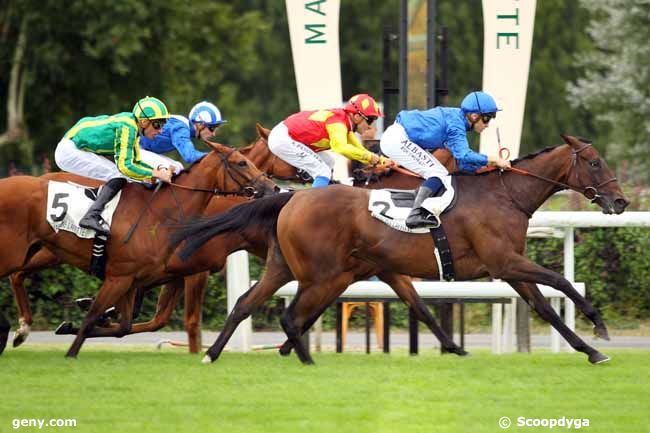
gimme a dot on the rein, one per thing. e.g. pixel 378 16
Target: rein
pixel 590 192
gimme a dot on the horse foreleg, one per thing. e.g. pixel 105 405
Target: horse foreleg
pixel 522 269
pixel 17 280
pixel 167 301
pixel 5 326
pixel 530 292
pixel 403 286
pixel 275 276
pixel 110 293
pixel 194 294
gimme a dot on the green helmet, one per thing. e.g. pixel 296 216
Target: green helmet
pixel 150 108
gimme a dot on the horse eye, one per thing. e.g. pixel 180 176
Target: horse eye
pixel 594 163
pixel 242 163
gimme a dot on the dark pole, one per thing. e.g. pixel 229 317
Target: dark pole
pixel 403 54
pixel 431 53
pixel 443 83
pixel 389 88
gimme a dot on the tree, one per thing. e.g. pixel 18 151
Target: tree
pixel 615 85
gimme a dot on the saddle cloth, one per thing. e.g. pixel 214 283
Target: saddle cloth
pixel 68 202
pixel 392 207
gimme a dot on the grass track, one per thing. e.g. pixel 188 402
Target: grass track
pixel 140 390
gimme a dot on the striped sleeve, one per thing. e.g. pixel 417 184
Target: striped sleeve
pixel 127 155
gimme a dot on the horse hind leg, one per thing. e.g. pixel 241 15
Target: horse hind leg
pixel 275 276
pixel 194 295
pixel 5 326
pixel 17 280
pixel 402 285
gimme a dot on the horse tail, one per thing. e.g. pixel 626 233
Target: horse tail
pixel 262 212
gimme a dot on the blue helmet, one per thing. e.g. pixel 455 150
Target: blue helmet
pixel 479 102
pixel 206 113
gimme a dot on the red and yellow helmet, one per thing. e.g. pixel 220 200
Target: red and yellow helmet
pixel 365 105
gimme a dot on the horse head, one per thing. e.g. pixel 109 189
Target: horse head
pixel 240 175
pixel 590 174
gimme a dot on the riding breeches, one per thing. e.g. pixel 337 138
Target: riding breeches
pixel 70 158
pixel 397 146
pixel 298 154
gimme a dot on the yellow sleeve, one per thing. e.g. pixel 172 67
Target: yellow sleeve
pixel 127 155
pixel 345 142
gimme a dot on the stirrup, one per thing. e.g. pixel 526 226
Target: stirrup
pixel 422 218
pixel 96 223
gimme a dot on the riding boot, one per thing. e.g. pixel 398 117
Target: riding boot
pixel 420 217
pixel 93 219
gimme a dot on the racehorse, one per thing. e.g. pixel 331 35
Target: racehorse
pixel 327 239
pixel 260 155
pixel 24 230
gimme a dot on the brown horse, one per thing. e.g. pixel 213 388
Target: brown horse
pixel 260 155
pixel 486 230
pixel 138 263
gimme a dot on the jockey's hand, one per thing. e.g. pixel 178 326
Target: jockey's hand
pixel 499 162
pixel 163 173
pixel 387 162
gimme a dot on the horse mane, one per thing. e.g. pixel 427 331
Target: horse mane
pixel 513 162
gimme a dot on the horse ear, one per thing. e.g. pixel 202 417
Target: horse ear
pixel 569 139
pixel 262 131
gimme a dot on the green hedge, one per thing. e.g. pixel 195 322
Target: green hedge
pixel 614 263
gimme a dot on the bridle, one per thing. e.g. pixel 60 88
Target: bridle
pixel 247 188
pixel 590 192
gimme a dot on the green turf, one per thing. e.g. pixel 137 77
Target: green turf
pixel 141 390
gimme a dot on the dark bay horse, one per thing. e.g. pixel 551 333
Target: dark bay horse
pixel 214 255
pixel 327 239
pixel 139 263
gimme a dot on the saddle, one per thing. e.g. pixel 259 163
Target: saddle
pixel 392 206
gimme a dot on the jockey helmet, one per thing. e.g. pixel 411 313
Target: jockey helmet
pixel 365 105
pixel 150 108
pixel 479 102
pixel 206 113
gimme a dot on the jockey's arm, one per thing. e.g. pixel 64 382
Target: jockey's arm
pixel 346 143
pixel 180 137
pixel 459 147
pixel 125 155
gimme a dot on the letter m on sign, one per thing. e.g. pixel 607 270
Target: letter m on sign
pixel 317 36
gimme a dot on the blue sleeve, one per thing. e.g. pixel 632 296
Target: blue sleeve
pixel 180 137
pixel 457 144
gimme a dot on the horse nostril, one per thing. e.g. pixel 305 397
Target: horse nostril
pixel 621 203
pixel 277 188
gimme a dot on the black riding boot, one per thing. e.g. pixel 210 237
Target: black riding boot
pixel 420 217
pixel 93 218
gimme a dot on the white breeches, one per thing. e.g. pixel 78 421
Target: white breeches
pixel 299 155
pixel 397 146
pixel 74 160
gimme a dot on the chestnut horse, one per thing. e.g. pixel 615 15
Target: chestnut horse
pixel 486 231
pixel 260 155
pixel 135 264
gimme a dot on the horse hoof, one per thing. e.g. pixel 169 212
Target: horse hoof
pixel 285 350
pixel 601 332
pixel 65 328
pixel 84 303
pixel 462 352
pixel 206 360
pixel 598 358
pixel 19 339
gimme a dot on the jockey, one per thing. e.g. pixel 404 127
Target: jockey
pixel 300 137
pixel 204 120
pixel 416 133
pixel 118 136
